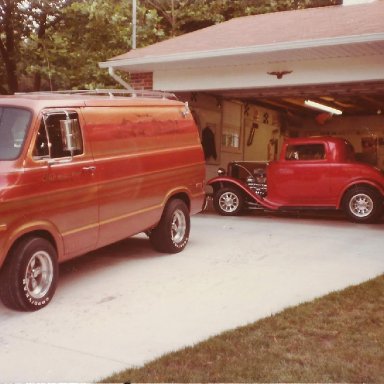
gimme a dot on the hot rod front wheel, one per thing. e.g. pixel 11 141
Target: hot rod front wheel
pixel 363 205
pixel 228 201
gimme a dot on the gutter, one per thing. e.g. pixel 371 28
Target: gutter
pixel 229 52
pixel 117 78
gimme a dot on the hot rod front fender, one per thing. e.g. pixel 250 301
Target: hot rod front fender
pixel 220 182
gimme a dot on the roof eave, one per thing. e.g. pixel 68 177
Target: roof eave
pixel 248 50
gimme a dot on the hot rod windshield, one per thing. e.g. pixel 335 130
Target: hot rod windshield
pixel 14 124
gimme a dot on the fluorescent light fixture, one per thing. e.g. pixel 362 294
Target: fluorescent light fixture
pixel 322 107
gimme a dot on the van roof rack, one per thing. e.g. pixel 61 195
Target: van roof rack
pixel 112 93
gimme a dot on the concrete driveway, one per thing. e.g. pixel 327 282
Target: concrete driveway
pixel 126 304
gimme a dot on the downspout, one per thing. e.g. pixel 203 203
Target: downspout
pixel 117 78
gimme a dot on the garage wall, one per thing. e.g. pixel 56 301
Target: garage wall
pixel 261 134
pixel 240 131
pixel 207 113
pixel 366 133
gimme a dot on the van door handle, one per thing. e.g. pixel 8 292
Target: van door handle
pixel 90 169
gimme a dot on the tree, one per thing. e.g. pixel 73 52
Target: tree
pixel 176 14
pixel 23 26
pixel 183 16
pixel 11 32
pixel 42 16
pixel 67 40
pixel 91 32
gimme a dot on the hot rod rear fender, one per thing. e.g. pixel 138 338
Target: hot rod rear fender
pixel 360 183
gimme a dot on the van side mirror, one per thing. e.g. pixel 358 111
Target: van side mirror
pixel 70 135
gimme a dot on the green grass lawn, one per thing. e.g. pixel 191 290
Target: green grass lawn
pixel 337 338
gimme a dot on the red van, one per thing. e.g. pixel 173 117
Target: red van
pixel 79 171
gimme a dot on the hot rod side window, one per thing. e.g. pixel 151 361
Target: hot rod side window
pixel 305 152
pixel 59 136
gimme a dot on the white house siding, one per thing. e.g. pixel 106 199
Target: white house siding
pixel 364 68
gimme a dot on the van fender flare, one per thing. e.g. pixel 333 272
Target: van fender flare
pixel 176 193
pixel 37 227
pixel 183 193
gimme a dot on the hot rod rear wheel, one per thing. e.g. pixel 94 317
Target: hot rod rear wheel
pixel 172 233
pixel 363 205
pixel 29 276
pixel 228 201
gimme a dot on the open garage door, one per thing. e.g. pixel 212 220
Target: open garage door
pixel 357 114
pixel 353 99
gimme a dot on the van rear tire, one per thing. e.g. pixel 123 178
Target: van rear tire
pixel 172 233
pixel 29 276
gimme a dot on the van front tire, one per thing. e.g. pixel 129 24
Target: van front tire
pixel 172 233
pixel 29 276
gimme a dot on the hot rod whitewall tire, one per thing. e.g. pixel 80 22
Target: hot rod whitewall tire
pixel 363 205
pixel 172 233
pixel 29 277
pixel 228 201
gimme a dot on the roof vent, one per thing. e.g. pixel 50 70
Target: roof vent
pixel 353 2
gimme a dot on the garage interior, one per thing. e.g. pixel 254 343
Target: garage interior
pixel 361 119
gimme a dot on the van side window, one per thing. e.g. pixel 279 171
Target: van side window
pixel 52 140
pixel 14 124
pixel 305 152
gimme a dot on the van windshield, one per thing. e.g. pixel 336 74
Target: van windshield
pixel 14 123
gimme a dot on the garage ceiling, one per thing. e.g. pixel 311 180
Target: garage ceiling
pixel 366 98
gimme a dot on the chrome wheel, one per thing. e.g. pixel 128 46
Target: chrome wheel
pixel 32 271
pixel 361 205
pixel 229 202
pixel 172 232
pixel 178 226
pixel 39 275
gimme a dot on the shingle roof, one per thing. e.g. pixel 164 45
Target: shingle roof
pixel 273 28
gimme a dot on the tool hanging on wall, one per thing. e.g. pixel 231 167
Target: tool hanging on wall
pixel 252 134
pixel 255 125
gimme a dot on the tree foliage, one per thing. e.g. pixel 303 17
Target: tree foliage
pixel 87 33
pixel 11 33
pixel 183 16
pixel 57 44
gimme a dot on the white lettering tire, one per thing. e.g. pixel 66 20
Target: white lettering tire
pixel 172 233
pixel 29 276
